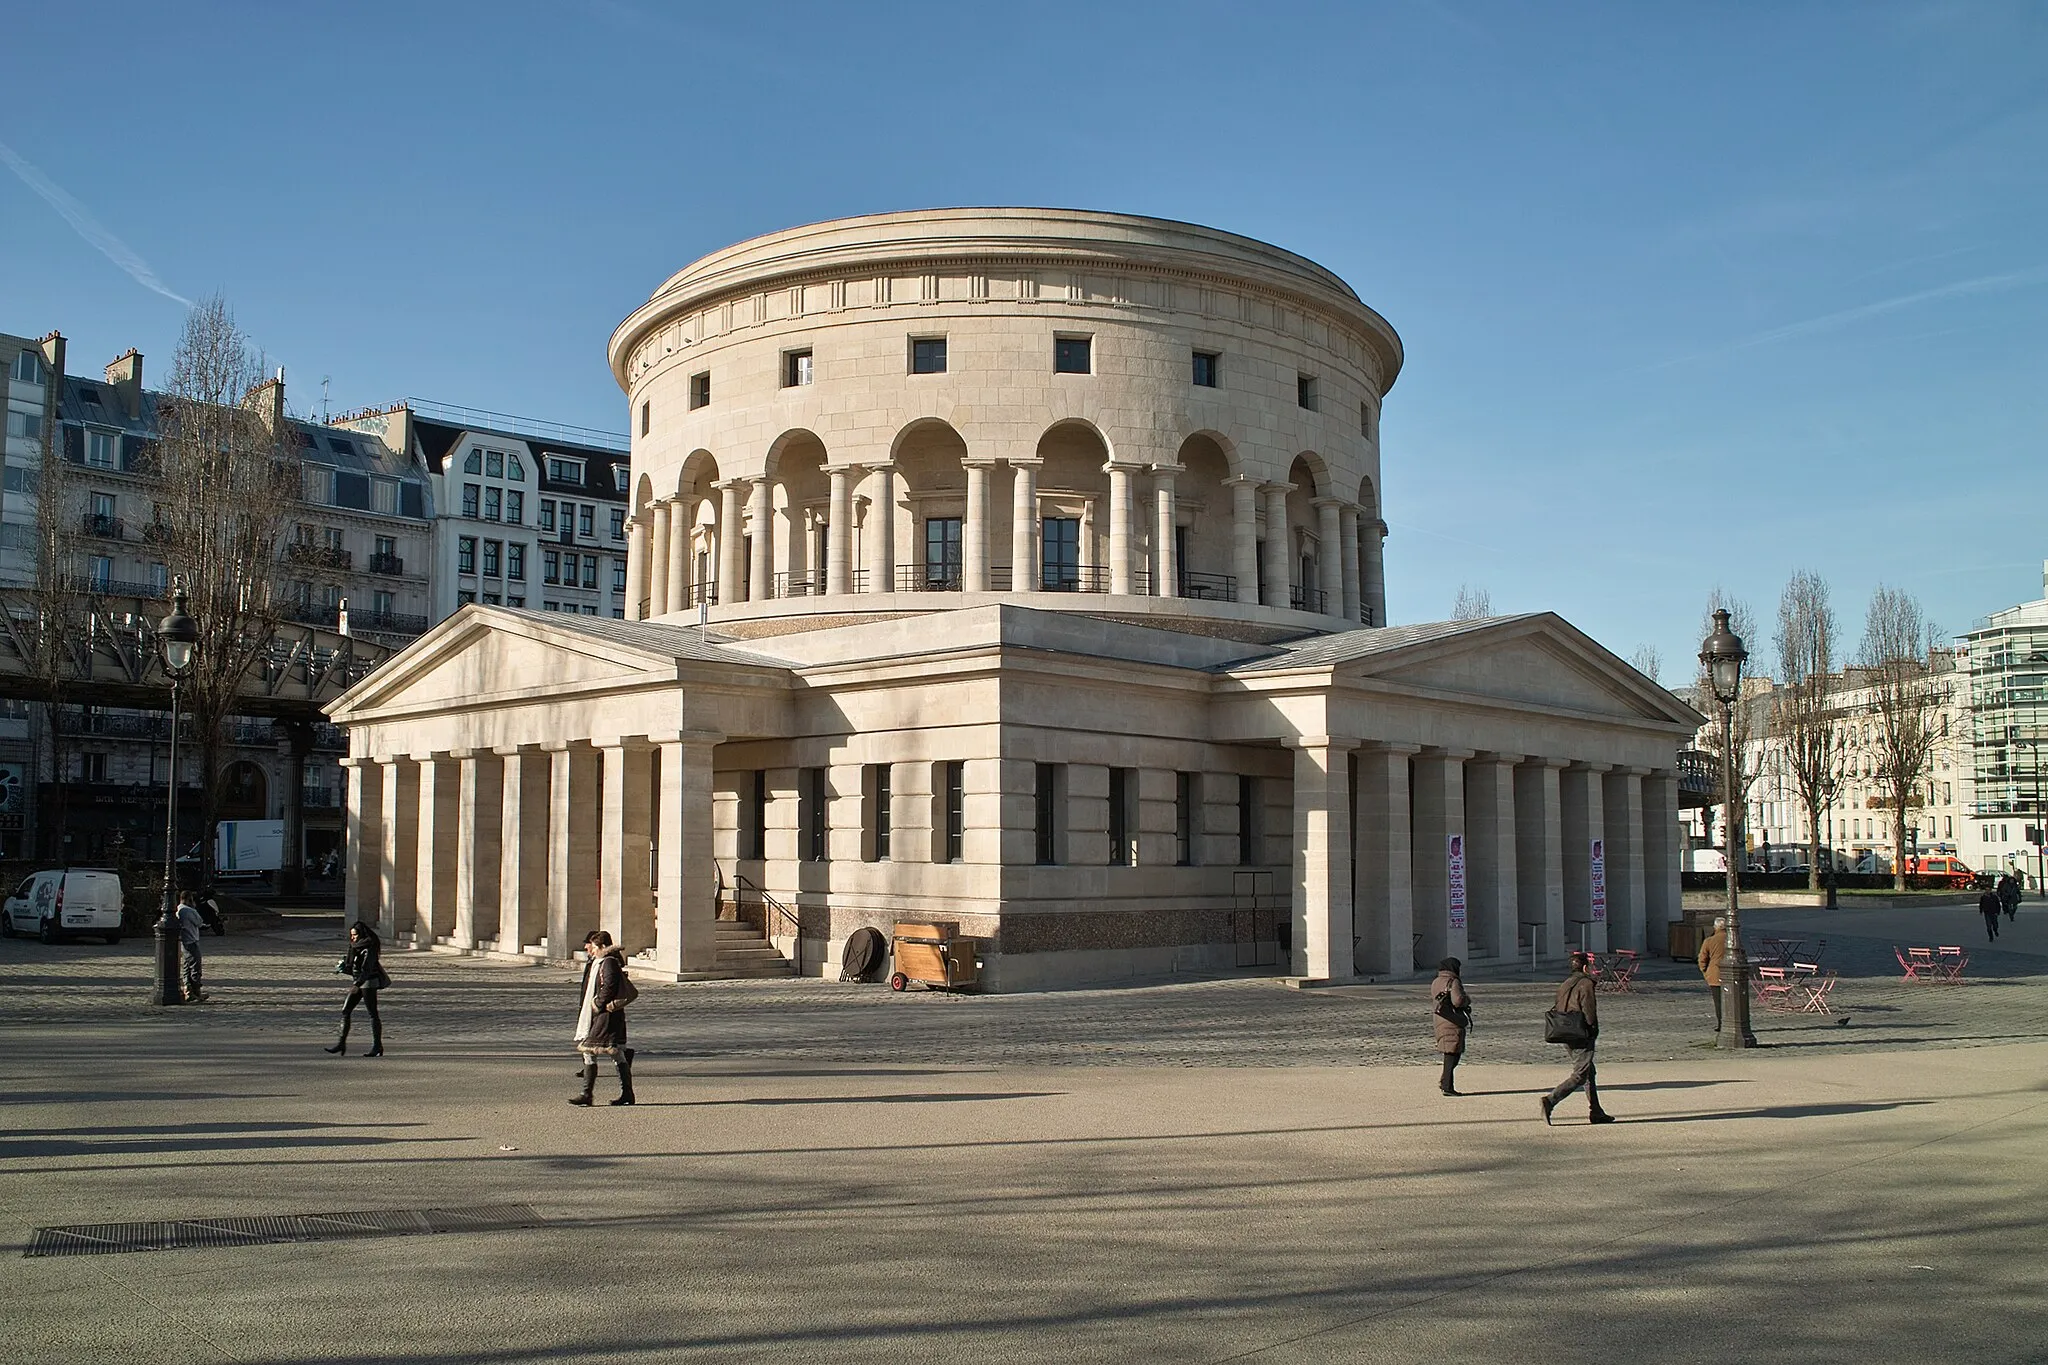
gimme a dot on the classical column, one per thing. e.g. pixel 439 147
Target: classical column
pixel 637 578
pixel 1024 524
pixel 398 848
pixel 1279 550
pixel 731 541
pixel 1244 536
pixel 1490 883
pixel 1347 536
pixel 478 829
pixel 523 862
pixel 761 530
pixel 362 850
pixel 1623 802
pixel 1539 853
pixel 439 821
pixel 1386 907
pixel 1322 858
pixel 1165 545
pixel 1122 511
pixel 1584 820
pixel 658 603
pixel 686 890
pixel 839 531
pixel 974 533
pixel 1373 574
pixel 1329 555
pixel 625 893
pixel 1662 902
pixel 1439 817
pixel 678 556
pixel 573 798
pixel 882 530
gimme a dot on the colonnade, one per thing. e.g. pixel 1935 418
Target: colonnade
pixel 523 850
pixel 1543 853
pixel 1350 575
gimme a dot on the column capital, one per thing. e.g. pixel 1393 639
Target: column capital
pixel 1123 467
pixel 979 462
pixel 1242 481
pixel 1024 461
pixel 887 466
pixel 1506 760
pixel 1167 469
pixel 1269 489
pixel 1379 528
pixel 460 754
pixel 739 484
pixel 628 742
pixel 1436 751
pixel 688 737
pixel 357 761
pixel 1342 743
pixel 1349 511
pixel 1629 770
pixel 1387 746
pixel 557 746
pixel 1538 761
pixel 1328 501
pixel 845 467
pixel 1580 765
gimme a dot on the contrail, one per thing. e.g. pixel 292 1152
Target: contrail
pixel 87 226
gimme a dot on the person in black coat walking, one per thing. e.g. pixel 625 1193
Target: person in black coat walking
pixel 1988 906
pixel 362 964
pixel 2009 895
pixel 601 1022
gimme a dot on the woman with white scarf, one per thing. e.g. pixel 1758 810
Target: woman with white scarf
pixel 601 1022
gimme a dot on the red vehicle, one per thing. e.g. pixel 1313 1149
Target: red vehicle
pixel 1942 870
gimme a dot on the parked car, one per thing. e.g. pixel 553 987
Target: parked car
pixel 1950 872
pixel 64 902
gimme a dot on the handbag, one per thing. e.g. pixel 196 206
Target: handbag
pixel 1456 1014
pixel 1568 1027
pixel 627 992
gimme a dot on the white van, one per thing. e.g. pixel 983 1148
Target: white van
pixel 66 901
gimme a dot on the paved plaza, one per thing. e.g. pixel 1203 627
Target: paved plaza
pixel 1199 1171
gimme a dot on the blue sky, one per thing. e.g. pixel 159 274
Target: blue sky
pixel 1692 295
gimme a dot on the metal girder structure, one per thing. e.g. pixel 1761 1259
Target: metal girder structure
pixel 113 660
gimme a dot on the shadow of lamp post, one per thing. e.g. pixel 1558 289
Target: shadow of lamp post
pixel 176 640
pixel 1723 655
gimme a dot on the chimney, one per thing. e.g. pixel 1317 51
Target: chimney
pixel 124 377
pixel 53 353
pixel 267 399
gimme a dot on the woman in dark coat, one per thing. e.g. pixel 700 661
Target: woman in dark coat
pixel 601 1025
pixel 366 974
pixel 1450 1033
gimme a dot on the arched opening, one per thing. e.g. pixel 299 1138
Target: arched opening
pixel 1372 569
pixel 1306 550
pixel 697 505
pixel 1205 522
pixel 929 541
pixel 244 792
pixel 800 502
pixel 1073 510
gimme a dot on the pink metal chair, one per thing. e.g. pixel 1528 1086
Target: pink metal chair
pixel 1814 992
pixel 1950 961
pixel 1773 988
pixel 1913 965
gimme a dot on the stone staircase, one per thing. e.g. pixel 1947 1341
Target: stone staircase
pixel 744 951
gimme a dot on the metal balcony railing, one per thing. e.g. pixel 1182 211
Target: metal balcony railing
pixel 105 527
pixel 390 564
pixel 1208 587
pixel 325 556
pixel 703 592
pixel 1073 578
pixel 797 585
pixel 941 577
pixel 386 622
pixel 1308 599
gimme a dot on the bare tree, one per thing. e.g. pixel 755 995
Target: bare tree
pixel 1805 714
pixel 1909 680
pixel 1647 661
pixel 230 479
pixel 1745 758
pixel 1472 604
pixel 56 641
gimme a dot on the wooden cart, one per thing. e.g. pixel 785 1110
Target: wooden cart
pixel 935 956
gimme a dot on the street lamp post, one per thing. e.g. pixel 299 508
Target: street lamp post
pixel 1723 656
pixel 176 639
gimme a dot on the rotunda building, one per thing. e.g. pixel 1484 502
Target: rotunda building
pixel 1019 571
pixel 1081 411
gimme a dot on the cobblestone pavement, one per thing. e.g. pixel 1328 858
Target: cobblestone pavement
pixel 276 988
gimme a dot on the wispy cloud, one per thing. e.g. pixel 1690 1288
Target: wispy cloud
pixel 85 225
pixel 2005 283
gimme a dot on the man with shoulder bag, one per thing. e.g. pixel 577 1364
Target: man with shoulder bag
pixel 1575 1022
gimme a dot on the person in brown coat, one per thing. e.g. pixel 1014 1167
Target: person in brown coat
pixel 1450 1032
pixel 1713 948
pixel 601 1023
pixel 1578 993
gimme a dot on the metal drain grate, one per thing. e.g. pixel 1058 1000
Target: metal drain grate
pixel 99 1239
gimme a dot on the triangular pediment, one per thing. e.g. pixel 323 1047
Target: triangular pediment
pixel 1538 660
pixel 479 656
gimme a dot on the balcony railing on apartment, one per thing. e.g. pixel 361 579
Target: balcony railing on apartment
pixel 324 556
pixel 97 586
pixel 1208 587
pixel 386 622
pixel 388 564
pixel 1308 599
pixel 105 527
